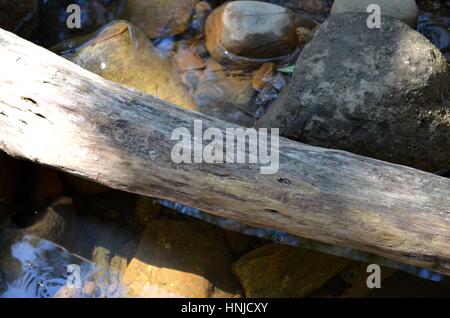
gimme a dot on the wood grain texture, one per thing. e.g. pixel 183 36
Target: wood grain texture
pixel 54 113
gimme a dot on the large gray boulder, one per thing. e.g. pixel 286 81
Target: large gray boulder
pixel 381 93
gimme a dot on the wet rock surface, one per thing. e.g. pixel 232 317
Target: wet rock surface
pixel 122 53
pixel 160 17
pixel 294 272
pixel 179 258
pixel 387 102
pixel 252 30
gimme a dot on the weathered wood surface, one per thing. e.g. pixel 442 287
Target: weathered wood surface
pixel 55 113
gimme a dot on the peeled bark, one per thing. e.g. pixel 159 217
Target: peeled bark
pixel 55 113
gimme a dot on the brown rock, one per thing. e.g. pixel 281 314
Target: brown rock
pixel 160 17
pixel 122 53
pixel 250 32
pixel 226 95
pixel 180 259
pixel 309 6
pixel 351 282
pixel 284 271
pixel 264 76
pixel 187 59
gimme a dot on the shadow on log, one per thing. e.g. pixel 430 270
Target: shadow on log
pixel 55 113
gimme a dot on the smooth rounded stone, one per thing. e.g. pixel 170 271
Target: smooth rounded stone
pixel 159 18
pixel 180 258
pixel 250 29
pixel 226 95
pixel 122 53
pixel 283 271
pixel 380 93
pixel 404 10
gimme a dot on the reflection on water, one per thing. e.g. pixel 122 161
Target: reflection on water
pixel 34 268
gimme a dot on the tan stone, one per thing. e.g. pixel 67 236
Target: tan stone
pixel 285 271
pixel 160 17
pixel 122 53
pixel 180 259
pixel 251 30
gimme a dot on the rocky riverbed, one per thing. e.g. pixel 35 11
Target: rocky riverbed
pixel 309 67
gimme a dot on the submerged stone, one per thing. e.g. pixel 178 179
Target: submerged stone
pixel 178 258
pixel 284 271
pixel 160 17
pixel 121 52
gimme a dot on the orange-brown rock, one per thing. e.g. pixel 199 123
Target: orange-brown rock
pixel 122 53
pixel 264 76
pixel 160 17
pixel 285 271
pixel 82 186
pixel 187 59
pixel 179 258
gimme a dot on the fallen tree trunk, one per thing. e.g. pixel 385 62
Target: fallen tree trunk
pixel 55 113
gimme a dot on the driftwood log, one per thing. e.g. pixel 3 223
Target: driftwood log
pixel 55 113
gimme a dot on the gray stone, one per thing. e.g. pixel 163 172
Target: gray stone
pixel 375 92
